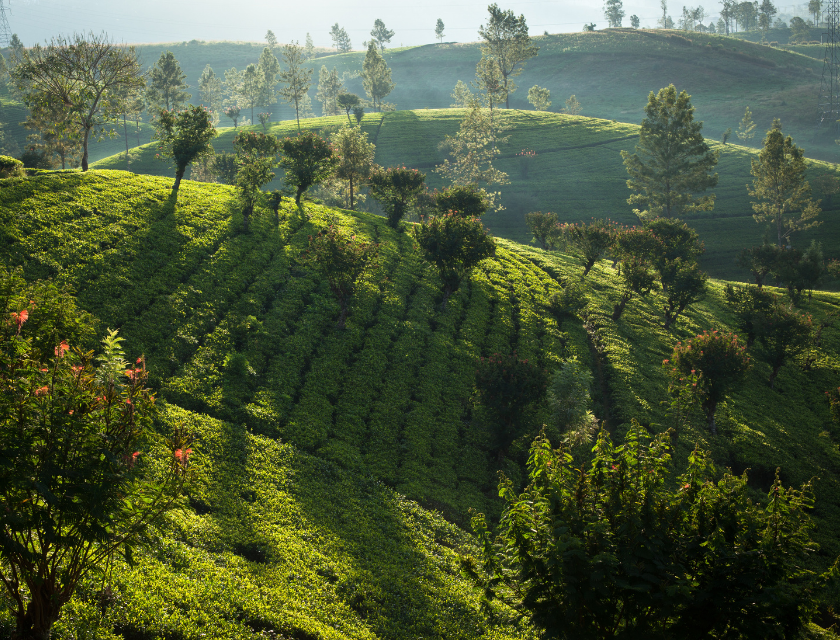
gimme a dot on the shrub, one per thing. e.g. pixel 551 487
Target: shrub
pixel 467 201
pixel 11 167
pixel 569 401
pixel 544 227
pixel 708 365
pixel 589 242
pixel 395 189
pixel 569 302
pixel 308 160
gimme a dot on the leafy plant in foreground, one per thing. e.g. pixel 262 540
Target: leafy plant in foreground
pixel 613 551
pixel 342 261
pixel 708 366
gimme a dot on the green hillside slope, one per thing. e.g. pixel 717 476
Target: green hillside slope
pixel 305 432
pixel 577 173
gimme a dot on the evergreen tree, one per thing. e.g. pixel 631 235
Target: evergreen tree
pixel 779 185
pixel 270 39
pixel 746 128
pixel 355 157
pixel 269 68
pixel 614 12
pixel 210 90
pixel 439 30
pixel 341 41
pixel 672 160
pixel 381 33
pixel 166 84
pixel 251 89
pixel 376 76
pixel 309 48
pixel 506 40
pixel 329 88
pixel 296 78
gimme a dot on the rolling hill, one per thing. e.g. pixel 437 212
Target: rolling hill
pixel 577 173
pixel 337 468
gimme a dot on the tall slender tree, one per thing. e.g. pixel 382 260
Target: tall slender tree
pixel 340 39
pixel 376 76
pixel 355 157
pixel 296 78
pixel 269 68
pixel 439 30
pixel 505 39
pixel 251 89
pixel 614 12
pixel 167 89
pixel 210 90
pixel 381 33
pixel 329 88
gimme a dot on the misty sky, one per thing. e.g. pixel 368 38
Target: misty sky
pixel 414 21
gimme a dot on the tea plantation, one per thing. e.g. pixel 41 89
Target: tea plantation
pixel 336 469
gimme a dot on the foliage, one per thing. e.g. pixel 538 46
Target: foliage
pixel 671 241
pixel 672 160
pixel 348 102
pixel 307 159
pixel 330 89
pixel 759 260
pixel 686 285
pixel 58 134
pixel 376 76
pixel 341 41
pixel 573 106
pixel 268 67
pixel 746 128
pixel 708 366
pixel 381 33
pixel 544 227
pixel 439 30
pixel 783 332
pixel 355 158
pixel 614 12
pixel 395 188
pixel 570 301
pixel 570 402
pixel 85 73
pixel 539 97
pixel 184 137
pixel 166 89
pixel 509 388
pixel 74 438
pixel 506 41
pixel 780 187
pixel 467 201
pixel 296 78
pixel 613 551
pixel 11 168
pixel 749 305
pixel 590 241
pixel 455 245
pixel 256 155
pixel 225 167
pixel 342 262
pixel 637 277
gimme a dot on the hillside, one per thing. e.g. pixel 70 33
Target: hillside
pixel 309 437
pixel 577 173
pixel 610 71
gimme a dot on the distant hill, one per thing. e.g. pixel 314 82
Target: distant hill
pixel 577 173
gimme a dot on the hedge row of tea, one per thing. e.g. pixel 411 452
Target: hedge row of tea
pixel 308 436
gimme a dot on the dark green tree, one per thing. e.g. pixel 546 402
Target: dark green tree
pixel 544 227
pixel 618 548
pixel 250 89
pixel 395 189
pixel 783 333
pixel 184 137
pixel 467 200
pixel 672 161
pixel 759 261
pixel 455 245
pixel 307 159
pixel 589 242
pixel 506 40
pixel 341 41
pixel 376 76
pixel 256 156
pixel 439 30
pixel 295 77
pixel 614 12
pixel 381 33
pixel 348 102
pixel 355 158
pixel 687 285
pixel 167 89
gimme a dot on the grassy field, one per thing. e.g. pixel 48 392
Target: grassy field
pixel 577 172
pixel 322 451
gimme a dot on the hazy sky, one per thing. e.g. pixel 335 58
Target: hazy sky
pixel 413 21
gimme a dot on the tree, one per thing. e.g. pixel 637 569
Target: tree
pixel 184 137
pixel 539 97
pixel 614 12
pixel 634 21
pixel 746 128
pixel 589 28
pixel 506 40
pixel 439 30
pixel 462 96
pixel 634 247
pixel 687 286
pixel 256 156
pixel 83 74
pixel 348 102
pixel 269 68
pixel 296 77
pixel 341 41
pixel 355 157
pixel 815 8
pixel 573 106
pixel 672 160
pixel 58 133
pixel 270 39
pixel 569 400
pixel 759 261
pixel 542 226
pixel 726 135
pixel 395 189
pixel 82 471
pixel 455 245
pixel 779 185
pixel 251 89
pixel 307 159
pixel 381 34
pixel 225 167
pixel 782 333
pixel 766 12
pixel 800 31
pixel 376 76
pixel 467 201
pixel 166 84
pixel 489 82
pixel 210 89
pixel 620 548
pixel 329 89
pixel 589 242
pixel 233 90
pixel 343 261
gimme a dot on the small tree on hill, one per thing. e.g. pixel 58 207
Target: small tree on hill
pixel 539 97
pixel 395 189
pixel 467 201
pixel 348 102
pixel 543 226
pixel 439 30
pixel 783 333
pixel 573 106
pixel 269 68
pixel 620 548
pixel 589 242
pixel 307 159
pixel 78 479
pixel 210 89
pixel 309 47
pixel 184 137
pixel 759 261
pixel 343 261
pixel 381 33
pixel 329 90
pixel 686 286
pixel 634 21
pixel 256 155
pixel 746 128
pixel 251 89
pixel 614 12
pixel 376 76
pixel 167 89
pixel 296 77
pixel 455 245
pixel 341 41
pixel 779 185
pixel 672 161
pixel 506 40
pixel 355 157
pixel 749 304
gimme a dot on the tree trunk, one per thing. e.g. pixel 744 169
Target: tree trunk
pixel 618 309
pixel 179 173
pixel 41 612
pixel 297 115
pixel 138 130
pixel 587 267
pixel 352 207
pixel 773 375
pixel 298 195
pixel 125 130
pixel 85 139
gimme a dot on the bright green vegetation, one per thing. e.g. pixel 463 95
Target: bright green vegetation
pixel 577 173
pixel 305 432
